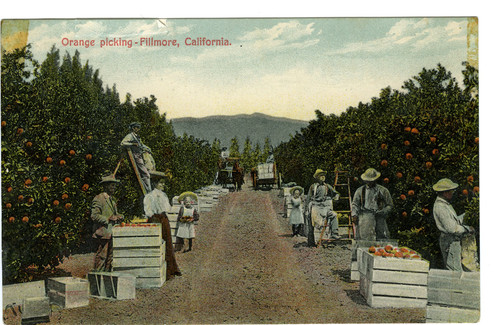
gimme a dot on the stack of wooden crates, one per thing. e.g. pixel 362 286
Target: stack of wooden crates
pixel 139 250
pixel 453 297
pixel 355 276
pixel 392 282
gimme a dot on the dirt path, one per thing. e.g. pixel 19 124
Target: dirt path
pixel 246 268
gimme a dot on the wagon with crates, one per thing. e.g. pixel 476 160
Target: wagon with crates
pixel 265 175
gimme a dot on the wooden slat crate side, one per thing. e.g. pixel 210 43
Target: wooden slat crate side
pixel 464 285
pixel 395 302
pixel 136 241
pixel 64 284
pixel 15 293
pixel 35 308
pixel 453 298
pixel 355 275
pixel 153 282
pixel 397 264
pixel 69 299
pixel 471 276
pixel 137 251
pixel 137 261
pixel 398 290
pixel 363 286
pixel 440 314
pixel 152 229
pixel 140 272
pixel 369 243
pixel 388 276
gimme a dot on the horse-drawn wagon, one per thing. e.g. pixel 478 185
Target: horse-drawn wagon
pixel 229 173
pixel 265 175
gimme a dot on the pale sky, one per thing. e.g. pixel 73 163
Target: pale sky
pixel 282 67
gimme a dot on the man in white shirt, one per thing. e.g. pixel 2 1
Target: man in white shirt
pixel 451 226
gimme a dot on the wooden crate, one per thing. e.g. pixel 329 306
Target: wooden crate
pixel 35 310
pixel 14 294
pixel 453 296
pixel 393 282
pixel 68 292
pixel 355 276
pixel 152 278
pixel 112 285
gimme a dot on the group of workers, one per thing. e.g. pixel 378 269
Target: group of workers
pixel 371 205
pixel 105 216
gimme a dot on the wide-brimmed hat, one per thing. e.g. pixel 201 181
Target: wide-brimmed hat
pixel 295 188
pixel 133 124
pixel 109 179
pixel 319 172
pixel 183 196
pixel 370 175
pixel 444 184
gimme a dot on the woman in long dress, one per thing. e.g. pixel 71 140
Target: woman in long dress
pixel 156 205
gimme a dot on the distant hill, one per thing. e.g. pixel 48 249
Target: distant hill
pixel 257 126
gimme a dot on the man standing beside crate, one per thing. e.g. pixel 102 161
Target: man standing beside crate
pixel 105 215
pixel 371 206
pixel 451 226
pixel 319 206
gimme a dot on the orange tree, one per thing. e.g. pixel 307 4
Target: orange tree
pixel 61 130
pixel 414 137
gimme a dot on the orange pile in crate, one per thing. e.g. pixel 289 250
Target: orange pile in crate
pixel 397 252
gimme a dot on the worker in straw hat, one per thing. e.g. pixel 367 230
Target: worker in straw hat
pixel 371 205
pixel 105 215
pixel 451 226
pixel 320 207
pixel 185 220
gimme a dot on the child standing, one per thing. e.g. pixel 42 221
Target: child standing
pixel 185 220
pixel 296 216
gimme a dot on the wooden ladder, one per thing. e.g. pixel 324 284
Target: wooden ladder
pixel 345 183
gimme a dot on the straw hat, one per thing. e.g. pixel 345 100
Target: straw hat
pixel 444 184
pixel 133 124
pixel 183 196
pixel 319 172
pixel 370 175
pixel 295 188
pixel 109 179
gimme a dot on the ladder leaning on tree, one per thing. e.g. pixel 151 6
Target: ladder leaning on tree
pixel 346 196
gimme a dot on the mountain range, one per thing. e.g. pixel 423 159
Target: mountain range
pixel 256 126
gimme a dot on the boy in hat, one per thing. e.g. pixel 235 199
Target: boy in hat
pixel 185 220
pixel 105 215
pixel 319 203
pixel 133 142
pixel 371 205
pixel 156 205
pixel 451 226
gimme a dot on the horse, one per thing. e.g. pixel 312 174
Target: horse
pixel 238 176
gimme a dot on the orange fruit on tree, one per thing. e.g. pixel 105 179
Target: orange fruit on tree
pixel 31 200
pixel 435 151
pixel 4 123
pixel 383 146
pixel 88 156
pixel 29 144
pixel 64 196
pixel 409 156
pixel 85 187
pixel 49 160
pixel 470 179
pixel 384 163
pixel 407 129
pixel 45 179
pixel 406 143
pixel 8 205
pixel 411 192
pixel 386 180
pixel 433 139
pixel 428 164
pixel 28 182
pixel 56 202
pixel 476 140
pixel 355 179
pixel 399 175
pixel 402 197
pixel 465 192
pixel 72 152
pixel 476 189
pixel 19 131
pixel 25 219
pixel 404 214
pixel 417 179
pixel 57 220
pixel 20 197
pixel 12 219
pixel 426 211
pixel 62 162
pixel 67 180
pixel 9 189
pixel 67 206
pixel 415 131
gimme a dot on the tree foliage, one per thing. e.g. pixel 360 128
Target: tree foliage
pixel 61 132
pixel 414 137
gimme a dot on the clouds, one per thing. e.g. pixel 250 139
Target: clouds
pixel 412 35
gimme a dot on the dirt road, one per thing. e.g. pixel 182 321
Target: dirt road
pixel 246 268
